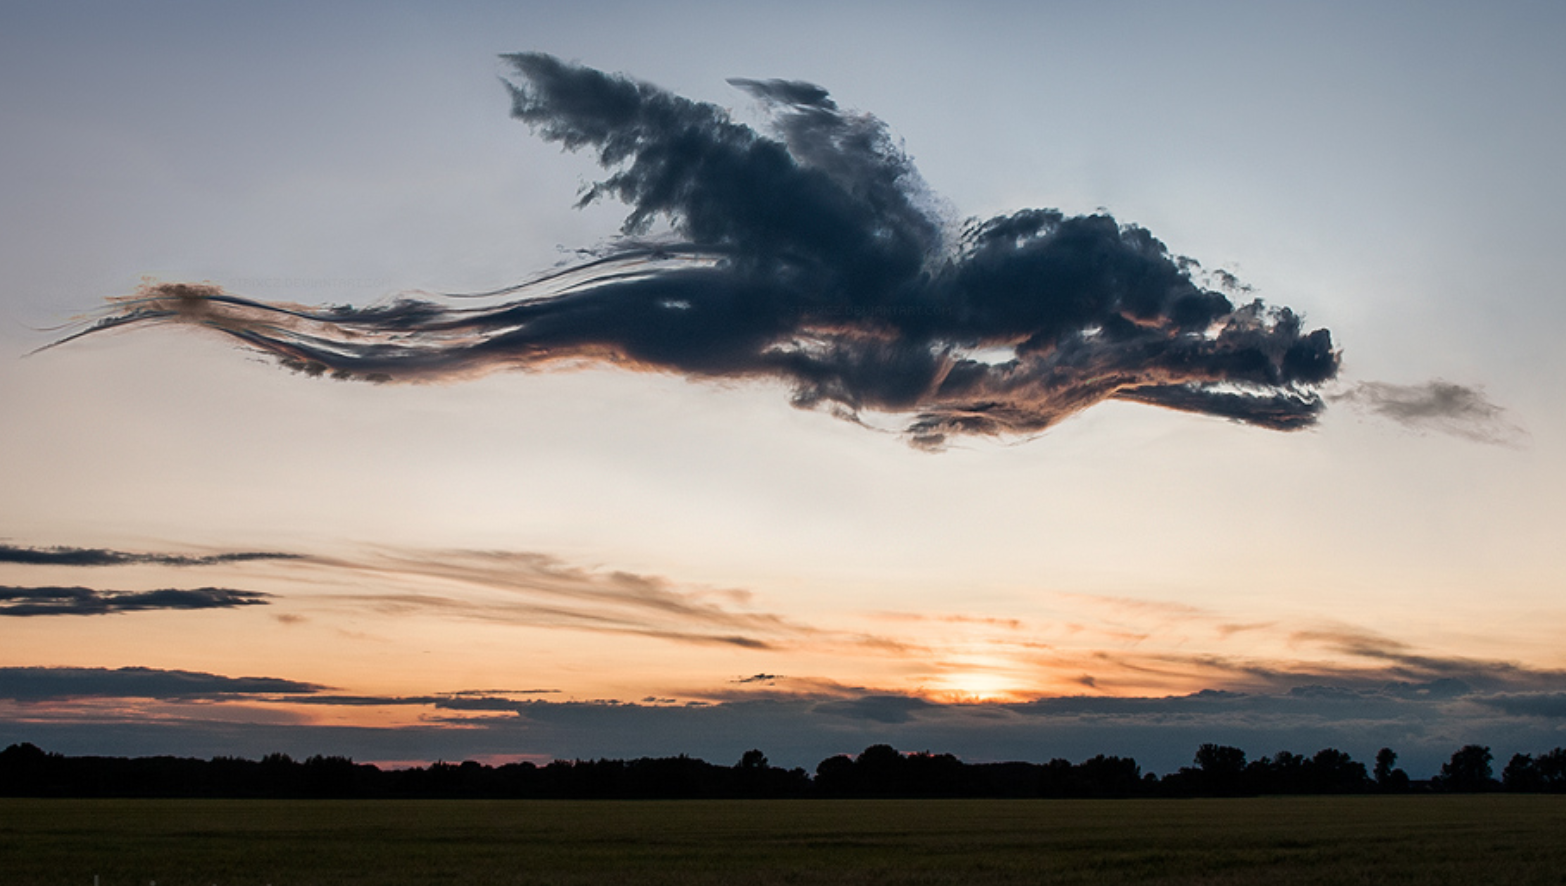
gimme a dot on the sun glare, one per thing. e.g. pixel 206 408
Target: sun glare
pixel 975 686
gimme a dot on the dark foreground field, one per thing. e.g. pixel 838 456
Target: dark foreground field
pixel 1275 841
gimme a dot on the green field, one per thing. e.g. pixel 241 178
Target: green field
pixel 1276 841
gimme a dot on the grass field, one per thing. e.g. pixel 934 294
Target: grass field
pixel 1276 841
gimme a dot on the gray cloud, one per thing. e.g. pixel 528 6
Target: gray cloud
pixel 877 708
pixel 814 255
pixel 1436 405
pixel 1548 705
pixel 45 684
pixel 86 601
pixel 455 701
pixel 66 556
pixel 768 679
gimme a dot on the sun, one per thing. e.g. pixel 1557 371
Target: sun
pixel 976 684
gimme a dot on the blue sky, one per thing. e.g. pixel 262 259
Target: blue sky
pixel 1390 171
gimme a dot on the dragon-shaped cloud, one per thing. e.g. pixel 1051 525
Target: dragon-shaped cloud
pixel 812 254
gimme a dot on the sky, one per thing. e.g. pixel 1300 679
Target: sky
pixel 930 406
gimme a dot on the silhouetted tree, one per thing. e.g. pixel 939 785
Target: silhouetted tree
pixel 1521 774
pixel 329 777
pixel 519 779
pixel 1011 779
pixel 750 773
pixel 753 777
pixel 1283 773
pixel 279 776
pixel 835 776
pixel 1055 778
pixel 1104 776
pixel 1468 771
pixel 1389 779
pixel 932 775
pixel 878 771
pixel 1334 772
pixel 1330 771
pixel 1386 758
pixel 674 777
pixel 26 770
pixel 1222 768
pixel 1552 770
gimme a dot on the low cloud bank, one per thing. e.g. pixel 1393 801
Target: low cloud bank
pixel 1423 722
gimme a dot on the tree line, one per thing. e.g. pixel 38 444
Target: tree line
pixel 878 771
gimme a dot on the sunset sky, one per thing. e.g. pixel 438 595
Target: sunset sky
pixel 602 553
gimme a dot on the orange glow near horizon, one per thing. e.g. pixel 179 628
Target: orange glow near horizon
pixel 965 687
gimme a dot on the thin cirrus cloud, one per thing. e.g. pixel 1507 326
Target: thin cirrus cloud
pixel 534 615
pixel 508 587
pixel 538 590
pixel 1401 662
pixel 1121 672
pixel 511 587
pixel 44 601
pixel 812 254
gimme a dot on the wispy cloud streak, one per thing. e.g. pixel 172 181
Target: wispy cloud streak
pixel 68 556
pixel 538 590
pixel 815 255
pixel 18 602
pixel 43 683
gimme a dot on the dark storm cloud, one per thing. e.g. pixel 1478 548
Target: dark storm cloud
pixel 814 255
pixel 87 601
pixel 65 556
pixel 1435 406
pixel 43 684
